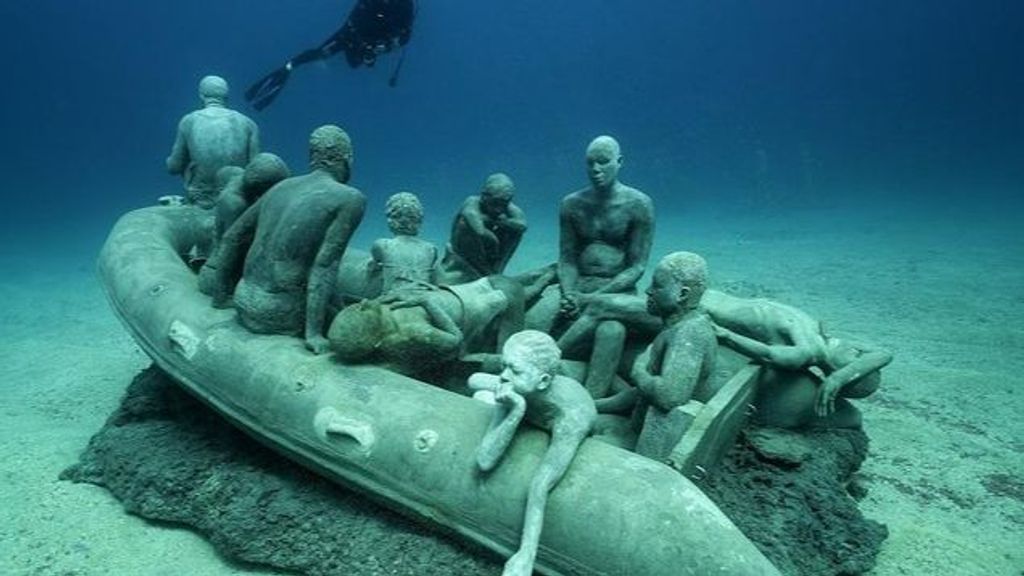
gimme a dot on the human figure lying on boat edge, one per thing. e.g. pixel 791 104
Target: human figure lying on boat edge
pixel 373 28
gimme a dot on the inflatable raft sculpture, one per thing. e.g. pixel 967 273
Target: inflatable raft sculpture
pixel 408 444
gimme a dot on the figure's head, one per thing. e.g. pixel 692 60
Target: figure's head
pixel 604 158
pixel 213 90
pixel 530 360
pixel 226 174
pixel 677 285
pixel 330 149
pixel 356 332
pixel 405 214
pixel 496 194
pixel 262 172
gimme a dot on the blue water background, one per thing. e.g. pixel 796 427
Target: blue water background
pixel 719 104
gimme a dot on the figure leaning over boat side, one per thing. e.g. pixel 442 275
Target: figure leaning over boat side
pixel 290 242
pixel 606 231
pixel 485 233
pixel 529 387
pixel 405 260
pixel 209 139
pixel 808 374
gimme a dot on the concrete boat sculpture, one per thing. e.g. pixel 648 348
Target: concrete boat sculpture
pixel 405 443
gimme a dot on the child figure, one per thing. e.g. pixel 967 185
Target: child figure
pixel 529 386
pixel 676 366
pixel 405 260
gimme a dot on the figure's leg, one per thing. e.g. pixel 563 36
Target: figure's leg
pixel 535 281
pixel 562 449
pixel 609 340
pixel 579 334
pixel 512 318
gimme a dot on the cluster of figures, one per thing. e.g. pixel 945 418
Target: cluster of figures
pixel 571 347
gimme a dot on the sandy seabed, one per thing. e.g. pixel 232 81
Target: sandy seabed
pixel 944 291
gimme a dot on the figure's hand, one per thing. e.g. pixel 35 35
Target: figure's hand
pixel 825 403
pixel 504 394
pixel 318 344
pixel 570 305
pixel 171 200
pixel 404 299
pixel 520 564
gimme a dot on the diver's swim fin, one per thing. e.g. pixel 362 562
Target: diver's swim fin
pixel 393 81
pixel 263 92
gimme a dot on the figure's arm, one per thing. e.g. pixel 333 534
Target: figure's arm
pixel 225 265
pixel 179 157
pixel 474 218
pixel 637 251
pixel 679 373
pixel 868 362
pixel 513 219
pixel 325 270
pixel 680 370
pixel 621 401
pixel 377 255
pixel 568 250
pixel 254 140
pixel 783 356
pixel 449 335
pixel 507 415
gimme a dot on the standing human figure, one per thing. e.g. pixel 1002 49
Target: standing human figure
pixel 290 243
pixel 606 231
pixel 209 139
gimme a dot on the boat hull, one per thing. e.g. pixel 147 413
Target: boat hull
pixel 405 443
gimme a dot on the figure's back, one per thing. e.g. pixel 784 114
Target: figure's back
pixel 293 220
pixel 217 137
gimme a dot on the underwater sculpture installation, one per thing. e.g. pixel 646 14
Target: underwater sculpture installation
pixel 808 374
pixel 368 428
pixel 209 139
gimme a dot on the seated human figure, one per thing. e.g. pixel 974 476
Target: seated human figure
pixel 485 233
pixel 420 331
pixel 209 139
pixel 808 374
pixel 678 365
pixel 606 232
pixel 530 387
pixel 245 186
pixel 406 260
pixel 288 245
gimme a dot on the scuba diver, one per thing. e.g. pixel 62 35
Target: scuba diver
pixel 373 28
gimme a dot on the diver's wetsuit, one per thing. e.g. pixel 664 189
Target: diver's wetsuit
pixel 373 27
